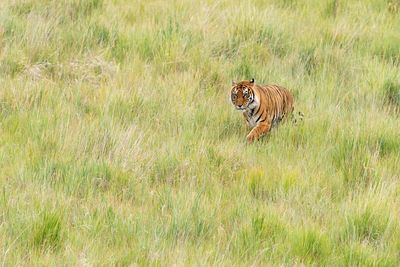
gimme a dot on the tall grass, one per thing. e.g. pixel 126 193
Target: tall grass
pixel 119 146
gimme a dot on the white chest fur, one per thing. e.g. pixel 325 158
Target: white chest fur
pixel 250 112
pixel 252 121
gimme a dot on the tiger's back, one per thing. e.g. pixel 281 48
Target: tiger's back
pixel 276 100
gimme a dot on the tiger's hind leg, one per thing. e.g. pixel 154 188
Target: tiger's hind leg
pixel 278 119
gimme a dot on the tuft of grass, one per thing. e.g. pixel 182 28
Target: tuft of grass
pixel 358 255
pixel 388 145
pixel 309 60
pixel 310 246
pixel 287 3
pixel 243 69
pixel 165 170
pixel 393 6
pixel 368 225
pixel 261 236
pixel 121 48
pixel 47 232
pixel 100 34
pixel 85 7
pixel 262 186
pixel 388 48
pixel 10 67
pixel 22 8
pixel 351 157
pixel 331 9
pixel 391 91
pixel 277 42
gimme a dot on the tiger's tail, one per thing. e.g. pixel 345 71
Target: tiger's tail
pixel 297 117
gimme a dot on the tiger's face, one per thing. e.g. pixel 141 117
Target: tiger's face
pixel 242 94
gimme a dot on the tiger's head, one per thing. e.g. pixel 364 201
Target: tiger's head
pixel 242 94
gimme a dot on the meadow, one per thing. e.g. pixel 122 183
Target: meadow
pixel 119 145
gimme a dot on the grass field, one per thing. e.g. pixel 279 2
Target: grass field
pixel 119 145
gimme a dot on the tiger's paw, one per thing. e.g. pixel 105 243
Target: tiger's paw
pixel 250 138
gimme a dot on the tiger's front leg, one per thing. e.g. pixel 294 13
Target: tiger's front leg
pixel 246 120
pixel 258 131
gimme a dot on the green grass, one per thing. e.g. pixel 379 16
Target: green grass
pixel 47 232
pixel 119 146
pixel 392 94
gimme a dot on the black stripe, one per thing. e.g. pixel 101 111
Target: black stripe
pixel 257 109
pixel 253 99
pixel 251 94
pixel 259 116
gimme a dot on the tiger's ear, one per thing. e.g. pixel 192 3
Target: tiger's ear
pixel 233 83
pixel 252 80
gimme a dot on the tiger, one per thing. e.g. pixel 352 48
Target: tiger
pixel 263 106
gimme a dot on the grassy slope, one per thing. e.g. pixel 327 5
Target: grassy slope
pixel 118 144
